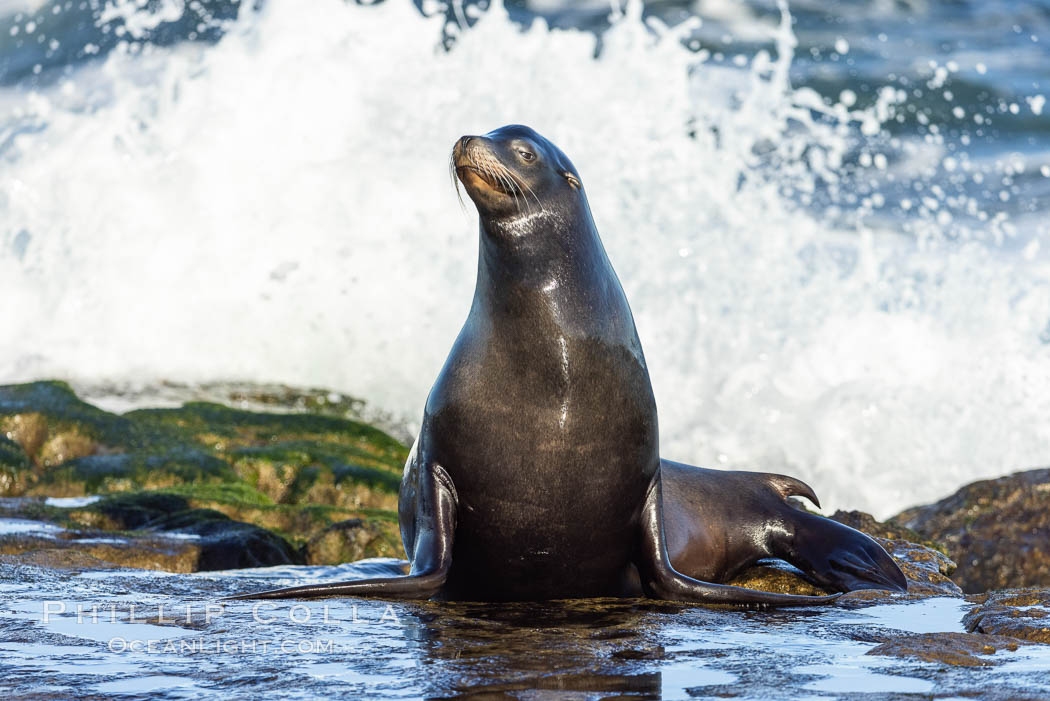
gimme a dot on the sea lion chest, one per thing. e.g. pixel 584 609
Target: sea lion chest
pixel 549 433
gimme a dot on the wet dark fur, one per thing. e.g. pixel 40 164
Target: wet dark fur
pixel 537 473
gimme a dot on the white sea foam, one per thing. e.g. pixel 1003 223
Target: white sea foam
pixel 276 207
pixel 71 502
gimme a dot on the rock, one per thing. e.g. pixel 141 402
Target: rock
pixel 221 542
pixel 99 474
pixel 14 467
pixel 51 425
pixel 284 478
pixel 1018 613
pixel 927 570
pixel 886 530
pixel 72 448
pixel 776 577
pixel 350 540
pixel 58 559
pixel 997 530
pixel 957 649
pixel 297 473
pixel 59 547
pixel 156 531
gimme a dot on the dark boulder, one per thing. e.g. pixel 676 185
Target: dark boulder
pixel 998 531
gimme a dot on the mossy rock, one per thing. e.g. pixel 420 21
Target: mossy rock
pixel 57 445
pixel 59 407
pixel 350 540
pixel 14 468
pixel 12 456
pixel 98 474
pixel 299 472
pixel 299 525
pixel 291 476
pixel 224 429
pixel 222 542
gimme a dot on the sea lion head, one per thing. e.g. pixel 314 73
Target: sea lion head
pixel 513 172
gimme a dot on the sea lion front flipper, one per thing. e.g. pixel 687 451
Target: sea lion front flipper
pixel 431 551
pixel 660 580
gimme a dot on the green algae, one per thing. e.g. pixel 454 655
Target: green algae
pixel 64 410
pixel 193 444
pixel 225 429
pixel 294 475
pixel 96 474
pixel 237 493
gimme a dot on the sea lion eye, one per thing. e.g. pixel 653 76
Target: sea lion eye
pixel 527 156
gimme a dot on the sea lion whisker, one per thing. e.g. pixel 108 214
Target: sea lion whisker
pixel 508 184
pixel 522 184
pixel 514 184
pixel 501 174
pixel 455 179
pixel 494 175
pixel 512 189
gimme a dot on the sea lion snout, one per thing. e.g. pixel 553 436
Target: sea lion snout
pixel 460 151
pixel 477 164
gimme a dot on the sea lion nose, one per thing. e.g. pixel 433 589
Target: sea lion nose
pixel 460 148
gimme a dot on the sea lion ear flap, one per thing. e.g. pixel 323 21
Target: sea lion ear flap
pixel 574 182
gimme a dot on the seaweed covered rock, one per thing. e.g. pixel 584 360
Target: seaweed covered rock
pixel 63 549
pixel 777 578
pixel 350 540
pixel 252 488
pixel 997 530
pixel 71 448
pixel 52 425
pixel 146 530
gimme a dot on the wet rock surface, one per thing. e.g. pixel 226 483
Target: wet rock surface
pixel 965 649
pixel 998 531
pixel 1021 613
pixel 149 531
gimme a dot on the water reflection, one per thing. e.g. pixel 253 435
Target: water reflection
pixel 590 649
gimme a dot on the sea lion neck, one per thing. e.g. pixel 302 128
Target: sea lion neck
pixel 545 260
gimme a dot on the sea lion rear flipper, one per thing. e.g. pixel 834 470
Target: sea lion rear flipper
pixel 661 580
pixel 431 551
pixel 718 523
pixel 836 556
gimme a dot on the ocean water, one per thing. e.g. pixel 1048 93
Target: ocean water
pixel 831 219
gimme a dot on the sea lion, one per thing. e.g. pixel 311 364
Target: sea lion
pixel 536 472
